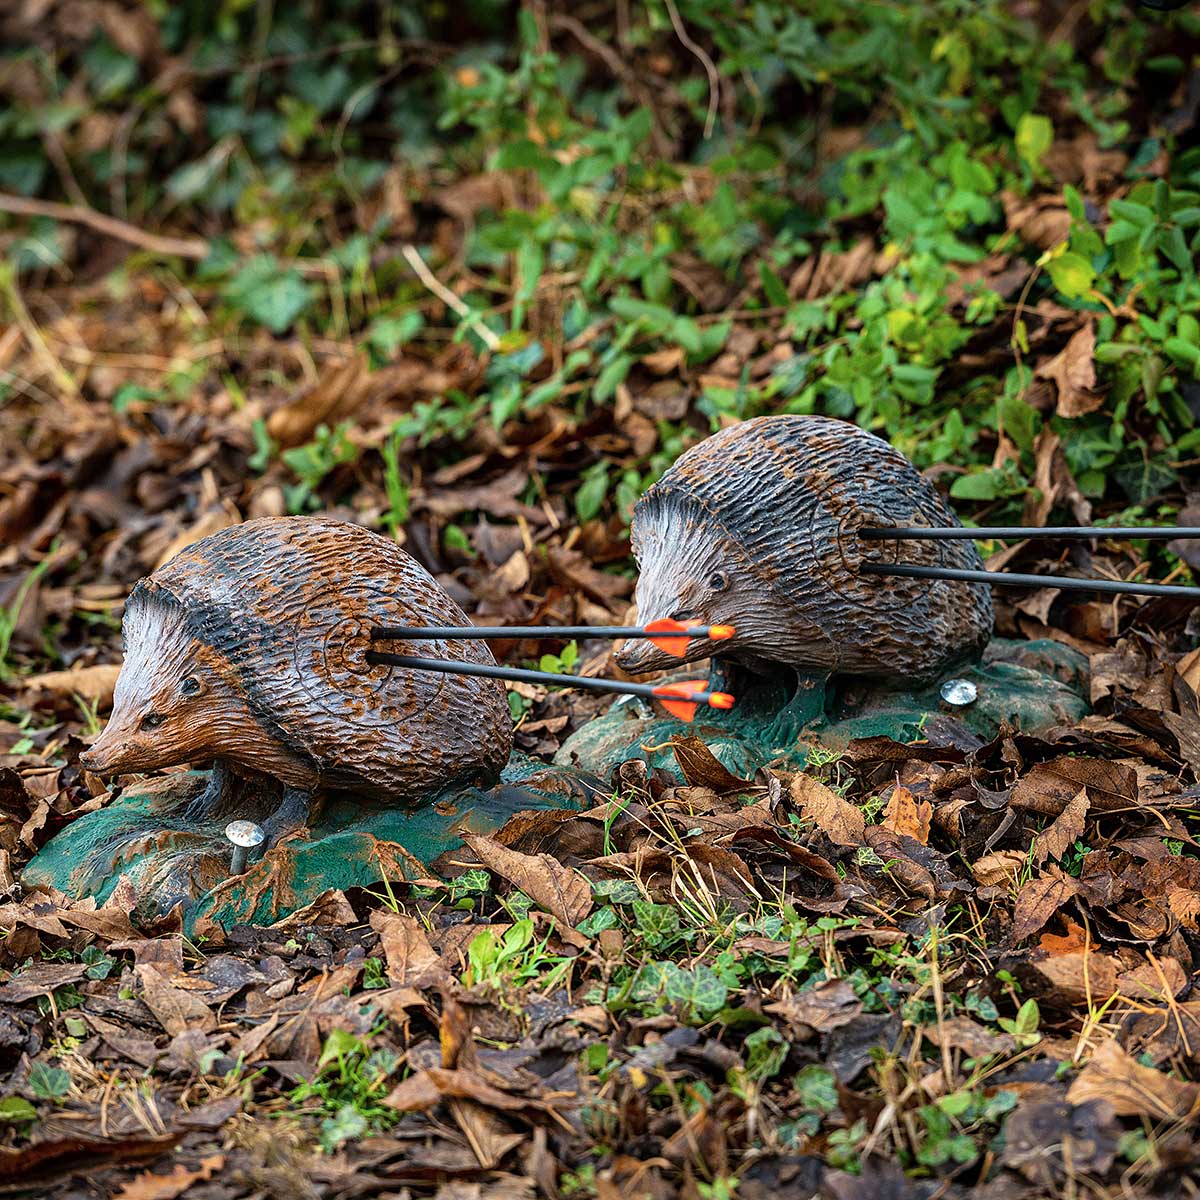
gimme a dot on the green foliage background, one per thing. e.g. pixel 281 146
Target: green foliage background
pixel 657 184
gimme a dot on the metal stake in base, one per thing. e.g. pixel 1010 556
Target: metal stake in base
pixel 245 836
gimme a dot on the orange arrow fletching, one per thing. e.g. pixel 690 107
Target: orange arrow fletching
pixel 678 698
pixel 676 644
pixel 673 636
pixel 684 709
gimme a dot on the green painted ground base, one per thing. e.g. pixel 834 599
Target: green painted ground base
pixel 1033 685
pixel 142 836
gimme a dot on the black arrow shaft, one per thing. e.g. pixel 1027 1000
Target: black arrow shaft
pixel 1014 579
pixel 520 675
pixel 1066 532
pixel 387 633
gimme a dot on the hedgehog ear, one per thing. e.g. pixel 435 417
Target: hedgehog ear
pixel 189 686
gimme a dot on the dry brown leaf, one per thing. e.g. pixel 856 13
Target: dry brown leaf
pixel 1053 485
pixel 1079 976
pixel 973 1039
pixel 1039 900
pixel 1044 220
pixel 406 948
pixel 95 683
pixel 425 1088
pixel 348 386
pixel 489 1135
pixel 1074 371
pixel 1055 841
pixel 1132 1089
pixel 40 979
pixel 330 908
pixel 903 869
pixel 149 1186
pixel 1188 669
pixel 223 517
pixel 559 890
pixel 176 1009
pixel 1156 980
pixel 908 815
pixel 701 767
pixel 664 362
pixel 998 869
pixel 1048 787
pixel 1074 939
pixel 821 1009
pixel 1185 904
pixel 836 818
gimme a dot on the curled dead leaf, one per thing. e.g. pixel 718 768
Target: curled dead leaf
pixel 908 815
pixel 835 817
pixel 1132 1089
pixel 1039 900
pixel 151 1186
pixel 406 949
pixel 1073 369
pixel 559 890
pixel 1066 827
pixel 94 683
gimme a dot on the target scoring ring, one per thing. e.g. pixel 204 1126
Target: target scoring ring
pixel 337 676
pixel 840 554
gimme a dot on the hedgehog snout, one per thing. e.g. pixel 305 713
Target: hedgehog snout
pixel 124 746
pixel 104 756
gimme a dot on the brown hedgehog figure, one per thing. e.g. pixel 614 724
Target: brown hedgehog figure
pixel 756 527
pixel 249 649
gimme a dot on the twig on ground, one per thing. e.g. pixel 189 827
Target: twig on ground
pixel 442 292
pixel 710 68
pixel 24 206
pixel 196 249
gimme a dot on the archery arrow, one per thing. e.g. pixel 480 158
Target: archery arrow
pixel 680 699
pixel 667 634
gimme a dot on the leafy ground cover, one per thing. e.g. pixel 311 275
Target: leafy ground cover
pixel 474 275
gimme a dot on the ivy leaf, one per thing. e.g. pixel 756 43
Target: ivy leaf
pixel 706 994
pixel 817 1089
pixel 601 919
pixel 619 891
pixel 48 1083
pixel 766 1052
pixel 656 922
pixel 348 1124
pixel 269 293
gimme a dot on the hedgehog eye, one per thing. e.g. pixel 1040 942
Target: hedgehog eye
pixel 190 686
pixel 717 582
pixel 151 720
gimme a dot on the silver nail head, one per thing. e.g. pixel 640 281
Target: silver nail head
pixel 959 692
pixel 244 836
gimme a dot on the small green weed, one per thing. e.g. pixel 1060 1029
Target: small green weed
pixel 348 1088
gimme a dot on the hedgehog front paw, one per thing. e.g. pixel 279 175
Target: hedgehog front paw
pixel 292 814
pixel 209 803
